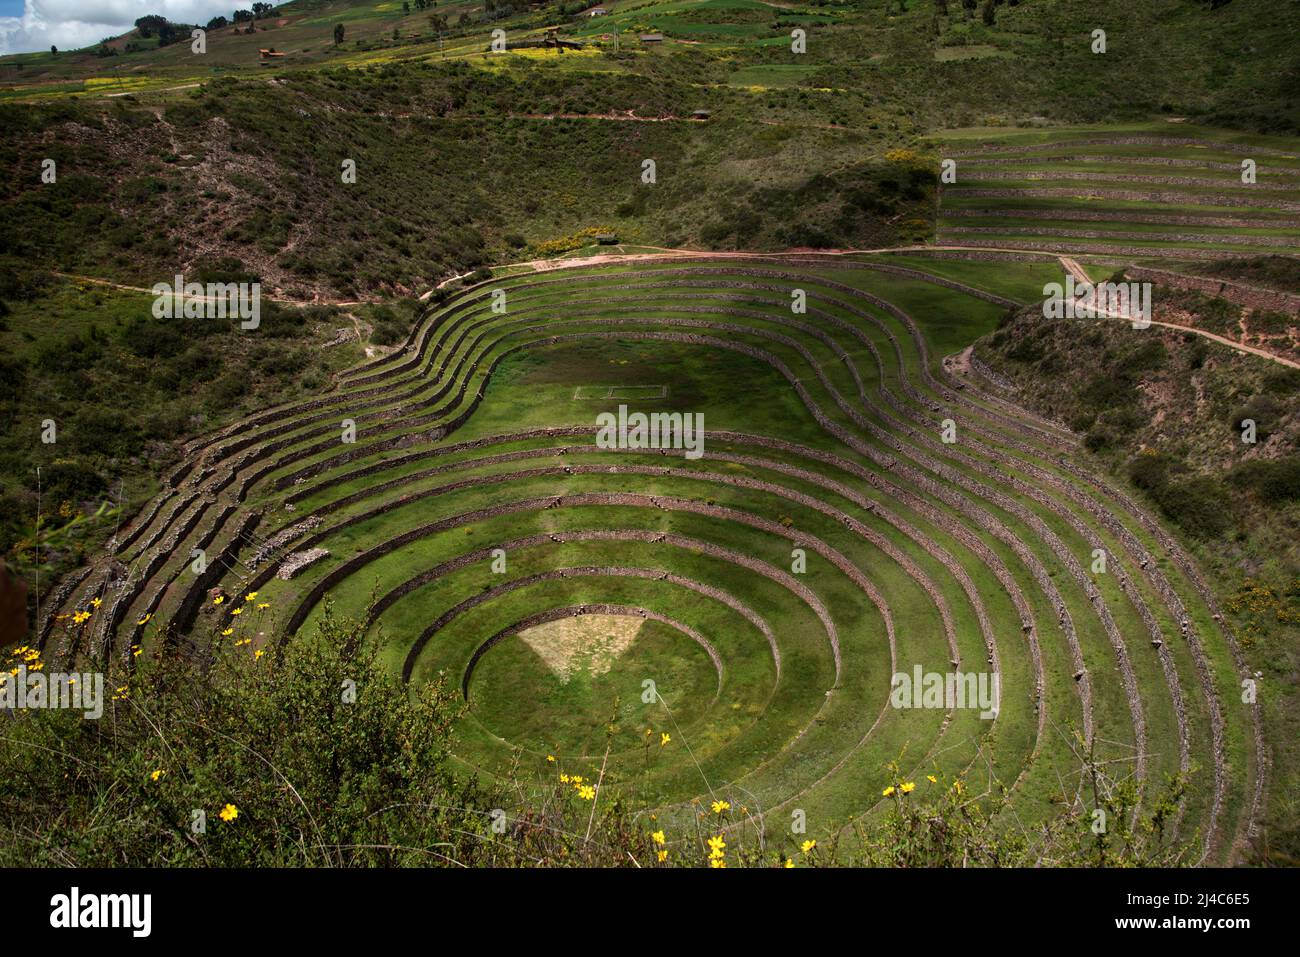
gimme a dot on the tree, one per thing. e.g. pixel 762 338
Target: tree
pixel 406 8
pixel 338 33
pixel 216 23
pixel 54 51
pixel 261 10
pixel 989 13
pixel 149 25
pixel 154 25
pixel 941 7
pixel 242 15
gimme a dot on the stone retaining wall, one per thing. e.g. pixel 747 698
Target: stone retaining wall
pixel 1252 297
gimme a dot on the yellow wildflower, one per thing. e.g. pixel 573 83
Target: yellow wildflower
pixel 807 846
pixel 888 792
pixel 657 837
pixel 157 774
pixel 720 806
pixel 229 813
pixel 907 787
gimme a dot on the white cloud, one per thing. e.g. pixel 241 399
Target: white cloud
pixel 69 24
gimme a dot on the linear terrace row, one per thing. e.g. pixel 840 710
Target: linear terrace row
pixel 1149 197
pixel 974 552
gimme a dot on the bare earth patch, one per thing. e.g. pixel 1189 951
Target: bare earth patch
pixel 590 642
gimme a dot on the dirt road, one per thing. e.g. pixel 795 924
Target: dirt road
pixel 1081 276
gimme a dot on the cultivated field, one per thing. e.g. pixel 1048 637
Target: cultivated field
pixel 830 536
pixel 1148 192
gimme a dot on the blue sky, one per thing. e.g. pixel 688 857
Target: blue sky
pixel 27 25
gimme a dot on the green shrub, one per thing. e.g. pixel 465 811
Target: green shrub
pixel 365 781
pixel 1100 438
pixel 1264 410
pixel 228 390
pixel 1273 480
pixel 1150 470
pixel 1282 382
pixel 1200 505
pixel 69 479
pixel 386 335
pixel 1147 357
pixel 1126 419
pixel 221 269
pixel 1081 421
pixel 1105 391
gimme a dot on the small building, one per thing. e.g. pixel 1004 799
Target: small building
pixel 652 38
pixel 597 12
pixel 553 39
pixel 269 53
pixel 700 114
pixel 607 239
